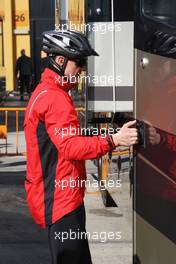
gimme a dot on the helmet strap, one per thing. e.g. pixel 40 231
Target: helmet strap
pixel 57 68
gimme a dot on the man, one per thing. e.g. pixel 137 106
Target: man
pixel 24 69
pixel 56 154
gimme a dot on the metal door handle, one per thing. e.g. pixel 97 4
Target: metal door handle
pixel 144 62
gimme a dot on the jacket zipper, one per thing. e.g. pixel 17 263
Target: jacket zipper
pixel 73 172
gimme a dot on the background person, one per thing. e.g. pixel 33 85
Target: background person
pixel 24 69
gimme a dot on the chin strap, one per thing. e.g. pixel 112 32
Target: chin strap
pixel 55 67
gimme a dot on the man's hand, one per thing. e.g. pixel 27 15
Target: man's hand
pixel 127 136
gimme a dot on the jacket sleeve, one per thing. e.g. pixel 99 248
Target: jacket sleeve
pixel 62 126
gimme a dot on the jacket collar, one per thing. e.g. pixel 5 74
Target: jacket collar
pixel 55 81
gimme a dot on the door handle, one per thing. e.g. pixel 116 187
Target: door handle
pixel 144 62
pixel 141 128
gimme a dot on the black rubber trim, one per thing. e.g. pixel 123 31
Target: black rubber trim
pixel 49 159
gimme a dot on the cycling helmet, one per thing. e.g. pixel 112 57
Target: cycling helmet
pixel 73 45
pixel 70 44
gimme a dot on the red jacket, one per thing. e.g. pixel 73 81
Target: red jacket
pixel 55 156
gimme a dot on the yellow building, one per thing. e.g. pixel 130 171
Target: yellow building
pixel 14 36
pixel 15 31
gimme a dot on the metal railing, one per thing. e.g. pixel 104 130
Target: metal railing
pixel 4 128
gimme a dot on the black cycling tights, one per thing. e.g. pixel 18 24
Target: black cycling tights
pixel 68 241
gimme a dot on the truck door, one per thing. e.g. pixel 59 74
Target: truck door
pixel 155 105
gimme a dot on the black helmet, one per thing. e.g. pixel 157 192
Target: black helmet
pixel 70 44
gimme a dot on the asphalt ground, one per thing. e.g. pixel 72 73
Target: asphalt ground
pixel 22 241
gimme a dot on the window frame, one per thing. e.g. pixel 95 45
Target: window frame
pixel 154 19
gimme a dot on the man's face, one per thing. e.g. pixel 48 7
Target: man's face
pixel 22 52
pixel 73 68
pixel 72 71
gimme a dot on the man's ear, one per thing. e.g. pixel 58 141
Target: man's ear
pixel 60 60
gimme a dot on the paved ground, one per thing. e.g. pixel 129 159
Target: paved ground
pixel 21 241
